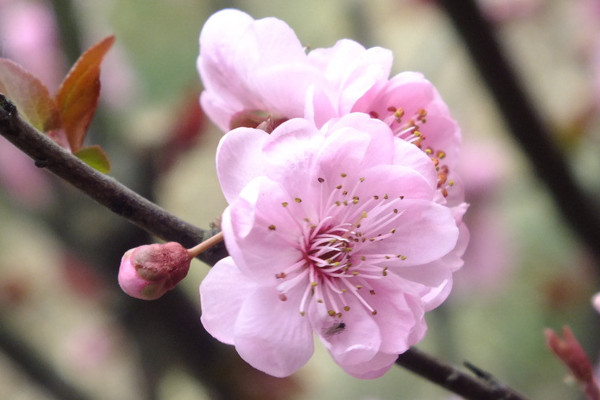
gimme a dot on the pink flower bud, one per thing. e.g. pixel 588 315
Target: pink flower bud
pixel 147 272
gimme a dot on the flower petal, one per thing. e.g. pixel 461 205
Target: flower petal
pixel 354 142
pixel 243 62
pixel 411 92
pixel 259 224
pixel 431 282
pixel 374 368
pixel 239 159
pixel 358 342
pixel 398 316
pixel 424 232
pixel 222 293
pixel 350 70
pixel 271 335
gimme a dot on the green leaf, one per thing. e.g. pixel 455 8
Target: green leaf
pixel 29 94
pixel 95 157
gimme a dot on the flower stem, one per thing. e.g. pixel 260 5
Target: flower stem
pixel 205 245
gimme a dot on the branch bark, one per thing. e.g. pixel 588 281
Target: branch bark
pixel 102 188
pixel 455 380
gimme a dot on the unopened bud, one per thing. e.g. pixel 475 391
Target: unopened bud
pixel 147 272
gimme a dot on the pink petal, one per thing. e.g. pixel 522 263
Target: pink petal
pixel 405 154
pixel 354 142
pixel 271 335
pixel 357 343
pixel 395 181
pixel 251 65
pixel 290 153
pixel 350 71
pixel 396 317
pixel 258 224
pixel 282 87
pixel 239 159
pixel 284 155
pixel 376 98
pixel 424 232
pixel 431 282
pixel 222 293
pixel 374 368
pixel 411 92
pixel 219 111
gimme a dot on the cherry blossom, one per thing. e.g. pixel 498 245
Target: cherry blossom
pixel 340 232
pixel 257 71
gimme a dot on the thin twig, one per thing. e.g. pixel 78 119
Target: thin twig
pixel 102 188
pixel 454 379
pixel 524 122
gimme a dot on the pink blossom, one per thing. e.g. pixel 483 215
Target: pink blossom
pixel 416 113
pixel 339 232
pixel 147 272
pixel 258 69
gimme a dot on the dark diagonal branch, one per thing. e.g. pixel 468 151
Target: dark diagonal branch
pixel 102 188
pixel 157 221
pixel 524 122
pixel 455 380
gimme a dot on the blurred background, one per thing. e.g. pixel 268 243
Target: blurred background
pixel 67 331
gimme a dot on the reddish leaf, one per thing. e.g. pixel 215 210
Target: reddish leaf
pixel 31 97
pixel 95 157
pixel 570 352
pixel 77 96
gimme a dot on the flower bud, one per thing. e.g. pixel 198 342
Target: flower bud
pixel 147 272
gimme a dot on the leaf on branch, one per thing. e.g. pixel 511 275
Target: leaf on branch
pixel 78 94
pixel 30 95
pixel 95 157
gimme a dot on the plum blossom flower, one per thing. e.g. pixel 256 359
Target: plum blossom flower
pixel 256 73
pixel 416 113
pixel 339 232
pixel 257 70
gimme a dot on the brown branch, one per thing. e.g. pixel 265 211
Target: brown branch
pixel 102 188
pixel 454 380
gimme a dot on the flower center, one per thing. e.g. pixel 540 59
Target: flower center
pixel 336 262
pixel 409 129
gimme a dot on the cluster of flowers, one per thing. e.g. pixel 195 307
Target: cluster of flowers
pixel 345 213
